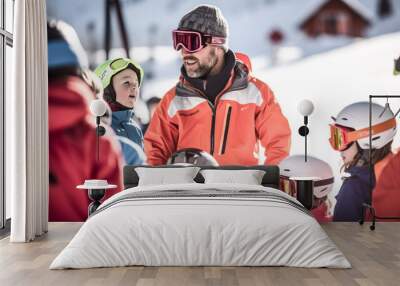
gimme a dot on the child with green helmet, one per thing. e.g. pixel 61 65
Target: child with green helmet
pixel 121 79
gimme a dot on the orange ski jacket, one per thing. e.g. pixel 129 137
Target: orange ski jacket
pixel 386 195
pixel 245 113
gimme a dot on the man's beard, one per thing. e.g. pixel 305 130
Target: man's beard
pixel 203 69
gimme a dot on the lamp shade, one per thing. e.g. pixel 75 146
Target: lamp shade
pixel 305 107
pixel 98 107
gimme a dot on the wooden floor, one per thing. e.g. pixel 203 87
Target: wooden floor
pixel 375 257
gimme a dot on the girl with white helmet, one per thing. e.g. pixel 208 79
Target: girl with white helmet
pixel 296 166
pixel 350 136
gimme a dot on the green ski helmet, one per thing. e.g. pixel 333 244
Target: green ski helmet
pixel 111 67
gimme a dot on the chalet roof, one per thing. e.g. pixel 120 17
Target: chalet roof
pixel 355 5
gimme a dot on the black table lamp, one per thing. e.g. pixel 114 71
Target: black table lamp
pixel 97 188
pixel 305 190
pixel 305 108
pixel 98 108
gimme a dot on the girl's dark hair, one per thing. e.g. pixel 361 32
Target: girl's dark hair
pixel 362 157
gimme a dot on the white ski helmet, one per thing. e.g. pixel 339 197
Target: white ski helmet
pixel 356 116
pixel 295 166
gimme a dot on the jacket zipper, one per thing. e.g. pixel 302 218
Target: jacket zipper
pixel 226 129
pixel 213 109
pixel 227 87
pixel 212 135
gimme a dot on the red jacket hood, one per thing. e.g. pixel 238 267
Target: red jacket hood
pixel 67 103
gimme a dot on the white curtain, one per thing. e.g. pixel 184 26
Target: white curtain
pixel 27 125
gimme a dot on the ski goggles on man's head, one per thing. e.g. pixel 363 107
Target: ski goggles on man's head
pixel 193 41
pixel 342 137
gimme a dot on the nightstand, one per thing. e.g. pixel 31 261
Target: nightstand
pixel 305 190
pixel 96 190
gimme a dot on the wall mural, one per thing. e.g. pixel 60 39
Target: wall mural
pixel 194 99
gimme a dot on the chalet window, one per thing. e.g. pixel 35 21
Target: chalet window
pixel 343 24
pixel 330 24
pixel 335 23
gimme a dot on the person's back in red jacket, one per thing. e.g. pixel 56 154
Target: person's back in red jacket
pixel 72 152
pixel 72 138
pixel 386 195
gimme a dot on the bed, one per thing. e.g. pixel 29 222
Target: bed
pixel 201 224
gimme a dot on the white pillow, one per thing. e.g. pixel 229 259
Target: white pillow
pixel 248 177
pixel 163 176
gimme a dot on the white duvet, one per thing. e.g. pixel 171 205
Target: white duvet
pixel 221 225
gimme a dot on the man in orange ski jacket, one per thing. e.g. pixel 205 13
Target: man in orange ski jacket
pixel 217 106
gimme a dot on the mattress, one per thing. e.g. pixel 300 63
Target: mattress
pixel 201 225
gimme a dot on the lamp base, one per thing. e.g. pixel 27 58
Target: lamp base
pixel 303 130
pixel 304 190
pixel 95 195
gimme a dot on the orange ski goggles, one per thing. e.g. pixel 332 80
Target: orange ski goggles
pixel 342 137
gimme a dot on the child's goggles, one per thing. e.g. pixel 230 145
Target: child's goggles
pixel 289 186
pixel 119 64
pixel 341 137
pixel 193 41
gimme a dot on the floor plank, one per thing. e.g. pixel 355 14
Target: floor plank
pixel 374 255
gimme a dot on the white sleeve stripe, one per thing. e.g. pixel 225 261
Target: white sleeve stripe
pixel 248 95
pixel 183 103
